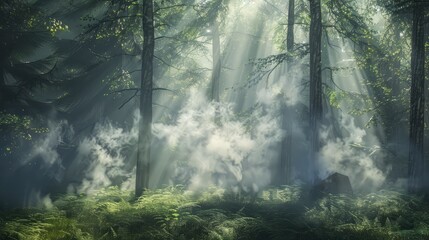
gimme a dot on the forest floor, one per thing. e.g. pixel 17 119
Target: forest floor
pixel 174 213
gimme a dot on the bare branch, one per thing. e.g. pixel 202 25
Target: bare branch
pixel 129 99
pixel 161 60
pixel 163 89
pixel 124 90
pixel 156 104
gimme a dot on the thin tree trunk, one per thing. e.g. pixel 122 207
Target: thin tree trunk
pixel 290 39
pixel 315 84
pixel 216 62
pixel 417 104
pixel 145 128
pixel 286 147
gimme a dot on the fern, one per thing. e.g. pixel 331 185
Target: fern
pixel 175 213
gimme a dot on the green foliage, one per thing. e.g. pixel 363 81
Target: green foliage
pixel 40 225
pixel 175 205
pixel 15 128
pixel 264 67
pixel 174 213
pixel 285 194
pixel 381 215
pixel 25 29
pixel 120 82
pixel 54 25
pixel 335 97
pixel 118 20
pixel 379 53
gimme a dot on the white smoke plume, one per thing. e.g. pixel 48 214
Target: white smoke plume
pixel 46 148
pixel 105 155
pixel 352 156
pixel 217 147
pixel 37 199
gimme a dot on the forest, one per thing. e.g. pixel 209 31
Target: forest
pixel 214 119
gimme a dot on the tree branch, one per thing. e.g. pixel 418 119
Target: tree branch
pixel 129 99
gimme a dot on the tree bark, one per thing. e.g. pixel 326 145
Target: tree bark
pixel 145 128
pixel 417 104
pixel 216 62
pixel 290 39
pixel 286 151
pixel 286 147
pixel 315 84
pixel 426 139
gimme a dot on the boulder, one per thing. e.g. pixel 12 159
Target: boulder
pixel 335 183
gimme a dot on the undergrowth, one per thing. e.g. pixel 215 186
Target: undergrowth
pixel 174 213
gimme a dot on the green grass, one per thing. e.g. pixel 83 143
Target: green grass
pixel 174 213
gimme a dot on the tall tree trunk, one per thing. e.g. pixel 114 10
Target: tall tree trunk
pixel 290 39
pixel 3 91
pixel 286 147
pixel 216 62
pixel 145 128
pixel 426 140
pixel 395 129
pixel 315 84
pixel 286 151
pixel 417 104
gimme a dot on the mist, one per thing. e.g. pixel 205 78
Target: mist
pixel 213 119
pixel 214 146
pixel 225 113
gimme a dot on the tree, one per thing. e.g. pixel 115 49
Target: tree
pixel 315 84
pixel 416 167
pixel 24 29
pixel 209 13
pixel 217 64
pixel 129 26
pixel 146 88
pixel 286 145
pixel 416 163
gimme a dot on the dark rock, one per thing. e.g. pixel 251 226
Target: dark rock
pixel 404 223
pixel 336 183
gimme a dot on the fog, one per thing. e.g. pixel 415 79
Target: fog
pixel 234 143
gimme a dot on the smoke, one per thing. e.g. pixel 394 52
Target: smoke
pixel 104 154
pixel 291 84
pixel 214 146
pixel 46 148
pixel 352 156
pixel 37 199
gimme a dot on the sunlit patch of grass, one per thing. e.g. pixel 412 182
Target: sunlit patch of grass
pixel 175 213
